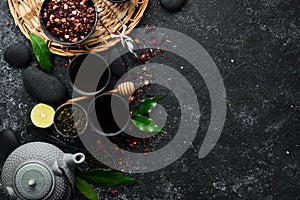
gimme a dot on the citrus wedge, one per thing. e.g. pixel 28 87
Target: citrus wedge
pixel 42 115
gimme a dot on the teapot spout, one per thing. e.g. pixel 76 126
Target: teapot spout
pixel 71 160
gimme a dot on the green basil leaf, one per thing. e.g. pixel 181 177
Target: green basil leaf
pixel 146 106
pixel 86 189
pixel 146 124
pixel 100 177
pixel 41 51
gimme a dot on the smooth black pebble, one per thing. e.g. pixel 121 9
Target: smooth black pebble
pixel 18 55
pixel 172 5
pixel 44 87
pixel 8 143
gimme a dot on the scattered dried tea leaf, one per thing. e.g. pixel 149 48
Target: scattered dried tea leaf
pixel 145 68
pixel 137 41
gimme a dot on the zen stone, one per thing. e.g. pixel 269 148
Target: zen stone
pixel 172 5
pixel 8 143
pixel 44 87
pixel 18 55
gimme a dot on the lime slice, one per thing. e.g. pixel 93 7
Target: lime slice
pixel 42 115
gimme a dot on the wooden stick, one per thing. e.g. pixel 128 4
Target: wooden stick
pixel 77 99
pixel 124 89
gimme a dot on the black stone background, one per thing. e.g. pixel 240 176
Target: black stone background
pixel 255 45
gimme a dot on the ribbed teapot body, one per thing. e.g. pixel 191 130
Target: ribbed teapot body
pixel 33 163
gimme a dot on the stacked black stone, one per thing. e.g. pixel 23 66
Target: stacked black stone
pixel 18 55
pixel 172 5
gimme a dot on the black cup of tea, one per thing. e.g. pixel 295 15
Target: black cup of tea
pixel 89 74
pixel 109 114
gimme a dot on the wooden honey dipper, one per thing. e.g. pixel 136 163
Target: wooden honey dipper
pixel 124 89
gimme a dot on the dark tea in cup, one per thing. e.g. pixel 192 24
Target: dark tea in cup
pixel 109 114
pixel 89 74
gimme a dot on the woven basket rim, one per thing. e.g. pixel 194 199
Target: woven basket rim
pixel 26 17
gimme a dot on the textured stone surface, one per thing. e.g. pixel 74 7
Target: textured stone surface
pixel 255 45
pixel 45 87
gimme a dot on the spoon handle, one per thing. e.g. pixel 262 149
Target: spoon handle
pixel 111 91
pixel 77 99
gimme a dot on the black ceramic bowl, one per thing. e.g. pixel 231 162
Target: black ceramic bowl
pixel 54 38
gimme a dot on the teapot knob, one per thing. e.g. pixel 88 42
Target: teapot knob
pixel 31 182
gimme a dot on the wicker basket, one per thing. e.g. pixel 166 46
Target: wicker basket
pixel 26 16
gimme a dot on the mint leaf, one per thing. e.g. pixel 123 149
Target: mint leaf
pixel 100 177
pixel 41 51
pixel 146 124
pixel 86 189
pixel 146 106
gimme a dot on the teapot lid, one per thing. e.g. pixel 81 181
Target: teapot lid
pixel 34 181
